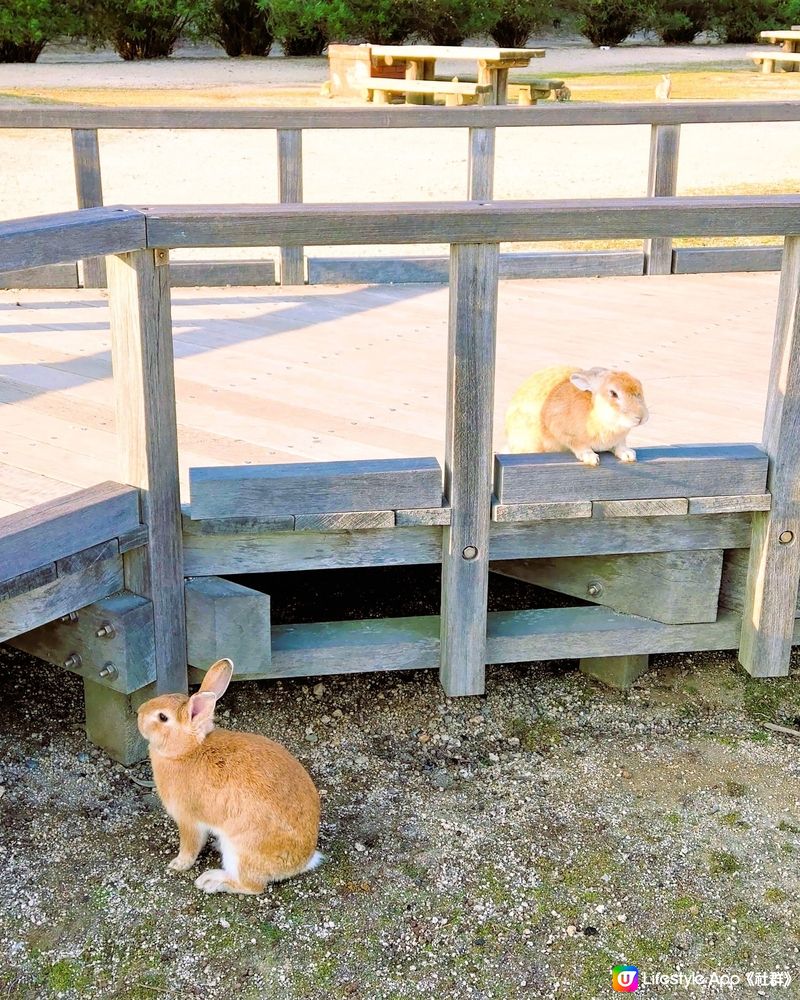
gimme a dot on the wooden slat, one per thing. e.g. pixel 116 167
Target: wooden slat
pixel 662 182
pixel 89 188
pixel 50 276
pixel 480 164
pixel 729 505
pixel 78 561
pixel 734 581
pixel 235 525
pixel 711 260
pixel 31 580
pixel 349 521
pixel 774 570
pixel 422 515
pixel 468 466
pixel 467 222
pixel 52 239
pixel 640 508
pixel 51 531
pixel 225 619
pixel 290 182
pixel 144 384
pixel 314 487
pixel 408 86
pixel 510 512
pixel 212 273
pixel 668 471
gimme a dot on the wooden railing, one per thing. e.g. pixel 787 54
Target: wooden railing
pixel 657 257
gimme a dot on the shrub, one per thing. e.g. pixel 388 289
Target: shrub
pixel 678 22
pixel 518 19
pixel 449 22
pixel 609 22
pixel 738 22
pixel 382 22
pixel 26 26
pixel 301 26
pixel 241 27
pixel 142 29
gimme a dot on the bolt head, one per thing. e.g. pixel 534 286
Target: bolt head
pixel 470 552
pixel 786 537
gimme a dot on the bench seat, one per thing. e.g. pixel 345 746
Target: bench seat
pixel 768 59
pixel 379 89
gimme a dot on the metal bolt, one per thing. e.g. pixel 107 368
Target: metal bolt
pixel 786 537
pixel 108 670
pixel 470 552
pixel 162 256
pixel 72 662
pixel 105 631
pixel 594 589
pixel 70 618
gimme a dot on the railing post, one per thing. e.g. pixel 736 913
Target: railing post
pixel 662 182
pixel 480 176
pixel 89 188
pixel 774 571
pixel 468 465
pixel 144 385
pixel 290 178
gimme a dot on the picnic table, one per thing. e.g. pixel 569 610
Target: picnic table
pixel 492 64
pixel 789 57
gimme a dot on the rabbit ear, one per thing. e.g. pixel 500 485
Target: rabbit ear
pixel 201 707
pixel 218 677
pixel 587 380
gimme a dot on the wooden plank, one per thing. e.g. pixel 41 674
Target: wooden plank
pixel 290 181
pixel 409 86
pixel 734 581
pixel 602 509
pixel 314 487
pixel 508 512
pixel 70 236
pixel 774 570
pixel 32 580
pixel 571 263
pixel 111 721
pixel 226 619
pixel 349 521
pixel 618 672
pixel 422 515
pixel 50 276
pixel 89 188
pixel 78 561
pixel 132 539
pixel 122 658
pixel 713 260
pixel 662 182
pixel 209 555
pixel 67 593
pixel 729 505
pixel 53 530
pixel 670 587
pixel 144 383
pixel 480 164
pixel 235 525
pixel 377 270
pixel 468 466
pixel 213 273
pixel 659 472
pixel 620 536
pixel 467 222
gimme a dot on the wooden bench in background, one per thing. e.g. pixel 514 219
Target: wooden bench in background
pixel 381 91
pixel 768 60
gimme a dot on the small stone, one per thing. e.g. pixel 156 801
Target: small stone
pixel 360 847
pixel 626 773
pixel 224 923
pixel 326 719
pixel 337 713
pixel 513 741
pixel 423 738
pixel 694 910
pixel 622 918
pixel 441 779
pixel 477 720
pixel 319 690
pixel 571 930
pixel 600 908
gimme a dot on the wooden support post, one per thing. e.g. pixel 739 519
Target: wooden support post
pixel 774 569
pixel 480 176
pixel 615 671
pixel 662 181
pixel 290 179
pixel 89 187
pixel 468 466
pixel 111 721
pixel 144 382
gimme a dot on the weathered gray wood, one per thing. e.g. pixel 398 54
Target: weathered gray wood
pixel 37 607
pixel 235 525
pixel 127 642
pixel 729 505
pixel 89 188
pixel 78 561
pixel 657 112
pixel 670 587
pixel 662 181
pixel 468 466
pixel 290 180
pixel 663 471
pixel 355 646
pixel 384 85
pixel 209 555
pixel 480 164
pixel 70 236
pixel 734 581
pixel 615 671
pixel 713 260
pixel 571 264
pixel 774 570
pixel 226 619
pixel 213 273
pixel 314 487
pixel 30 580
pixel 111 721
pixel 622 535
pixel 134 539
pixel 144 383
pixel 603 509
pixel 468 222
pixel 51 276
pixel 422 515
pixel 349 521
pixel 51 531
pixel 515 512
pixel 377 270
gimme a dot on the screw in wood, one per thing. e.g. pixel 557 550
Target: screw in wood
pixel 72 662
pixel 470 552
pixel 786 537
pixel 105 631
pixel 108 670
pixel 594 589
pixel 70 618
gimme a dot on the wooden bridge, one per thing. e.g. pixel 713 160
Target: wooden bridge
pixel 118 583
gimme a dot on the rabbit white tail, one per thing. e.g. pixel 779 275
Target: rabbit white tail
pixel 314 861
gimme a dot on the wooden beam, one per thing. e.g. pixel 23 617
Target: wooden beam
pixel 734 581
pixel 422 515
pixel 468 466
pixel 111 721
pixel 213 273
pixel 50 276
pixel 729 505
pixel 360 520
pixel 665 507
pixel 715 260
pixel 290 182
pixel 662 181
pixel 480 164
pixel 525 512
pixel 774 570
pixel 225 619
pixel 89 188
pixel 618 672
pixel 144 383
pixel 664 471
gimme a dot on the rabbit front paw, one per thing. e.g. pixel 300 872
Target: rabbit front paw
pixel 588 457
pixel 625 454
pixel 181 863
pixel 215 880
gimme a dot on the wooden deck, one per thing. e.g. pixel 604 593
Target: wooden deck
pixel 340 372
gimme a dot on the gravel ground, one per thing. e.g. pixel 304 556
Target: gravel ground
pixel 515 845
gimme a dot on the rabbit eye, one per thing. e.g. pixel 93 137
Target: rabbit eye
pixel 162 717
pixel 613 393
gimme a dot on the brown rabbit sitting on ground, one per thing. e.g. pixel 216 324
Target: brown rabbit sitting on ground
pixel 569 409
pixel 247 791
